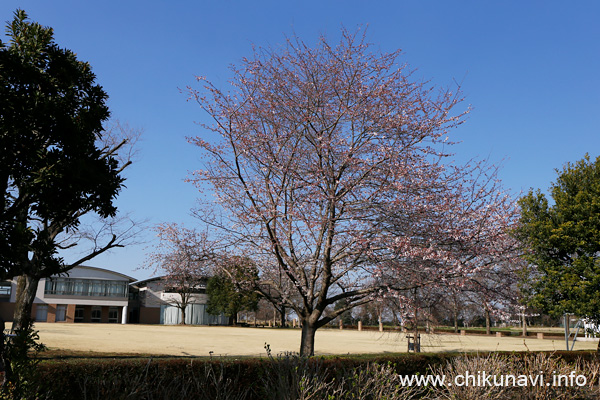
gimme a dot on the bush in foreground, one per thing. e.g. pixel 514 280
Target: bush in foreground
pixel 292 377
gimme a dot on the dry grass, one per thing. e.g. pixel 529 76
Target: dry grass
pixel 233 341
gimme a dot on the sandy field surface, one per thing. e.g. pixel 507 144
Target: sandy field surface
pixel 233 341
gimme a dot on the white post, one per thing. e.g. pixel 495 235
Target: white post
pixel 524 323
pixel 567 329
pixel 124 315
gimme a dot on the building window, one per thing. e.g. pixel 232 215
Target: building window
pixel 86 287
pixel 61 313
pixel 78 314
pixel 113 315
pixel 96 314
pixel 5 289
pixel 41 313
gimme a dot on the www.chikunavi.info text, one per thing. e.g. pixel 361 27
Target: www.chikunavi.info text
pixel 484 379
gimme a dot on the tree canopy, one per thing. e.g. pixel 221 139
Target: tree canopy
pixel 563 235
pixel 233 288
pixel 329 166
pixel 185 258
pixel 56 165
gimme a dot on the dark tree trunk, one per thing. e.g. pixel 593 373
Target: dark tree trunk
pixel 282 315
pixel 455 312
pixel 416 341
pixel 4 363
pixel 2 326
pixel 182 308
pixel 26 289
pixel 307 342
pixel 488 329
pixel 455 321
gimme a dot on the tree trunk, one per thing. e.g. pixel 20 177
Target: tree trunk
pixel 455 320
pixel 4 363
pixel 488 329
pixel 524 324
pixel 26 289
pixel 182 308
pixel 282 316
pixel 416 346
pixel 307 341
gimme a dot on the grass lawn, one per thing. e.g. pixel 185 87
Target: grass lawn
pixel 203 341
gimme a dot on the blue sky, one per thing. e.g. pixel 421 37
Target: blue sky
pixel 529 69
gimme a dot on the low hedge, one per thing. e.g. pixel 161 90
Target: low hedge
pixel 225 378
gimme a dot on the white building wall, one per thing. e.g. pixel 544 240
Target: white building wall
pixel 13 291
pixel 82 301
pixel 197 298
pixel 39 293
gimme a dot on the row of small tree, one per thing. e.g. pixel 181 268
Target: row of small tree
pixel 192 264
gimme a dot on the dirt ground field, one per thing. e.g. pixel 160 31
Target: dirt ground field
pixel 230 341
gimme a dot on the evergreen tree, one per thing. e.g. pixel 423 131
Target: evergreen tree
pixel 233 291
pixel 563 236
pixel 53 168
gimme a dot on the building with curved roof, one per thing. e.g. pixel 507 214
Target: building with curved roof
pixel 91 294
pixel 83 294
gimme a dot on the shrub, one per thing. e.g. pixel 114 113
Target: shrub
pixel 20 360
pixel 290 377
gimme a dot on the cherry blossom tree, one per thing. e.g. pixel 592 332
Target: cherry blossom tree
pixel 495 291
pixel 185 258
pixel 329 166
pixel 453 241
